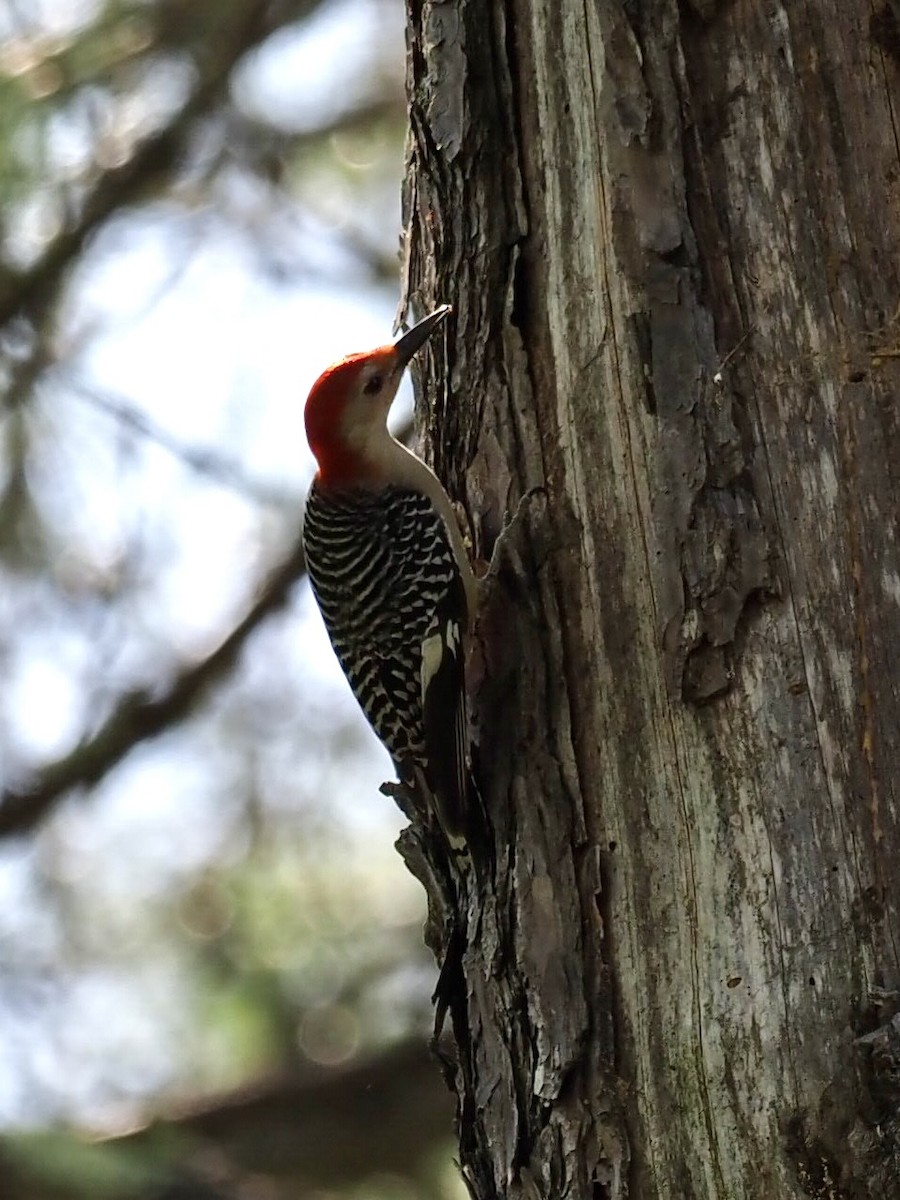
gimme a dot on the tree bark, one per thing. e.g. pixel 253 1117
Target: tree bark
pixel 671 236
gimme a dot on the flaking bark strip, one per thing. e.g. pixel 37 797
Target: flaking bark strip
pixel 712 554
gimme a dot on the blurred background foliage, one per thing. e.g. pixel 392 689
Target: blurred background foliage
pixel 212 982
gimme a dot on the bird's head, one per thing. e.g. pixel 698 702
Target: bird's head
pixel 347 408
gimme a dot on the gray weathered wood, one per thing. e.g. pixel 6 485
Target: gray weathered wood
pixel 671 235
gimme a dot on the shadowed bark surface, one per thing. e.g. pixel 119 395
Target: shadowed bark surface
pixel 670 234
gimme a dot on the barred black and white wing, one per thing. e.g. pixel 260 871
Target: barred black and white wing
pixel 390 590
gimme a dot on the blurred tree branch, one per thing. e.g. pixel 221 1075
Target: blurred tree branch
pixel 334 1126
pixel 200 459
pixel 25 293
pixel 330 1128
pixel 138 717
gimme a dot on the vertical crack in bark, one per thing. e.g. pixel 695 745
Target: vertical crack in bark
pixel 623 1054
pixel 784 974
pixel 529 315
pixel 869 734
pixel 712 1130
pixel 888 91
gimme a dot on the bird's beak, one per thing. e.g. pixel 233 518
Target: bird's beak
pixel 414 339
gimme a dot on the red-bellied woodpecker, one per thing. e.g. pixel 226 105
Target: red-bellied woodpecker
pixel 389 570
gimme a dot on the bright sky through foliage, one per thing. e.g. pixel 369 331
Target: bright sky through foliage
pixel 203 322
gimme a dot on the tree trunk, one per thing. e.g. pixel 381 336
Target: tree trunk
pixel 671 236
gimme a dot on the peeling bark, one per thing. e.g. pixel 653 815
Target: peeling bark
pixel 671 236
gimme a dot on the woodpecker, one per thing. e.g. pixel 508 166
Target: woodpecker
pixel 389 571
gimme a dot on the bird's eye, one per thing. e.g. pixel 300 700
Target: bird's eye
pixel 374 385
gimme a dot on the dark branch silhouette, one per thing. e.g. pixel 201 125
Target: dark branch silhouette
pixel 26 293
pixel 138 716
pixel 327 1128
pixel 331 1127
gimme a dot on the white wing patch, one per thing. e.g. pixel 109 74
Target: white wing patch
pixel 434 649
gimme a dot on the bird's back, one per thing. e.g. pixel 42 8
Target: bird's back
pixel 384 574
